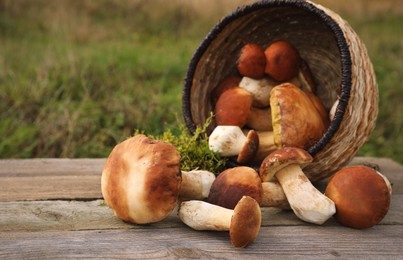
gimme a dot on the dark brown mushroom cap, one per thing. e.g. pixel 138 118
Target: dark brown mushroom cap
pixel 361 196
pixel 282 60
pixel 281 158
pixel 233 107
pixel 252 61
pixel 141 179
pixel 296 121
pixel 249 149
pixel 234 183
pixel 245 222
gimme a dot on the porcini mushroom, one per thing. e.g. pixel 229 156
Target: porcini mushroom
pixel 251 61
pixel 233 107
pixel 243 222
pixel 141 180
pixel 361 195
pixel 282 61
pixel 260 90
pixel 234 183
pixel 226 83
pixel 230 141
pixel 308 203
pixel 296 121
pixel 304 78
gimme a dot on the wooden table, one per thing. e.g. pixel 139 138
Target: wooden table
pixel 53 208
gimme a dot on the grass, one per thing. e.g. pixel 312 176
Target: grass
pixel 77 77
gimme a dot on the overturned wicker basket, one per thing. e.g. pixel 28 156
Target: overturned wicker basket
pixel 337 57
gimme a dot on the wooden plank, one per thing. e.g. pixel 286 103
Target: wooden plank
pixel 38 179
pixel 275 242
pixel 94 215
pixel 80 179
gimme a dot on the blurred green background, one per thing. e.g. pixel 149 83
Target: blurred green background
pixel 78 76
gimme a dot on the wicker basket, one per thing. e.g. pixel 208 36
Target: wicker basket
pixel 337 57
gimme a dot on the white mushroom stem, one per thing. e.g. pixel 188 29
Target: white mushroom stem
pixel 274 196
pixel 227 140
pixel 266 145
pixel 260 90
pixel 201 215
pixel 196 184
pixel 308 203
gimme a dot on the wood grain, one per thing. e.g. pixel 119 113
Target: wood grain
pixel 94 215
pixel 80 179
pixel 277 242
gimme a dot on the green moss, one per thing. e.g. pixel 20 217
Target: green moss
pixel 193 149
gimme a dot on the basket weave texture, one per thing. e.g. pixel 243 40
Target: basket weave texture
pixel 337 57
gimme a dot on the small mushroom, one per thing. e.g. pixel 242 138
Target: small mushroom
pixel 361 195
pixel 234 183
pixel 308 203
pixel 243 222
pixel 282 61
pixel 260 90
pixel 226 83
pixel 230 141
pixel 252 61
pixel 259 119
pixel 233 107
pixel 141 180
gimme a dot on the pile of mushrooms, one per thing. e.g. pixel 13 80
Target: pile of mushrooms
pixel 267 117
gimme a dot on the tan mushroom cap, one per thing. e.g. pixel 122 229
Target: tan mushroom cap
pixel 233 107
pixel 245 222
pixel 141 179
pixel 279 159
pixel 282 61
pixel 249 149
pixel 252 61
pixel 361 195
pixel 296 121
pixel 234 183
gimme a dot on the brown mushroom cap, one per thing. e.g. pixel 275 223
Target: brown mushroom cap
pixel 324 114
pixel 252 61
pixel 249 149
pixel 296 121
pixel 361 196
pixel 226 83
pixel 282 158
pixel 234 183
pixel 141 179
pixel 245 222
pixel 282 60
pixel 233 107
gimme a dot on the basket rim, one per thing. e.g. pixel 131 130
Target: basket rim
pixel 341 42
